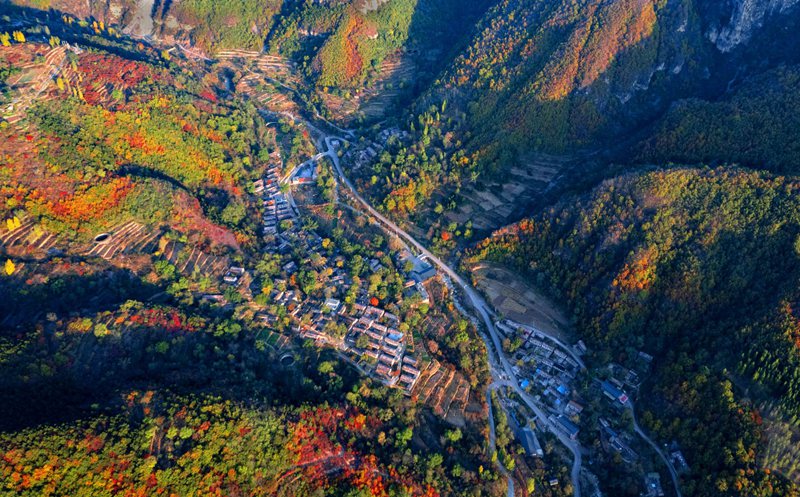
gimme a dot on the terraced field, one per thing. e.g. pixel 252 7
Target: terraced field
pixel 189 259
pixel 127 238
pixel 35 78
pixel 28 239
pixel 497 203
pixel 376 100
pixel 267 79
pixel 444 390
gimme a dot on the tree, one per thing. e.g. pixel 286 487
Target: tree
pixel 233 213
pixel 10 267
pixel 453 436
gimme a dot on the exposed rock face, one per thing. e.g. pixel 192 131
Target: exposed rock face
pixel 368 5
pixel 141 24
pixel 746 16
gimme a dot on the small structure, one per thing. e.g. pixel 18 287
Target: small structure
pixel 652 485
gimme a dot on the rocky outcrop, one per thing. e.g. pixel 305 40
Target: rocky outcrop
pixel 746 17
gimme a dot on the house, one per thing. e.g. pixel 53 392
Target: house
pixel 305 174
pixel 530 443
pixel 214 297
pixel 424 295
pixel 423 273
pixel 333 304
pixel 258 186
pixel 679 461
pixel 375 265
pixel 567 426
pixel 409 368
pixel 614 393
pixel 573 408
pixel 383 370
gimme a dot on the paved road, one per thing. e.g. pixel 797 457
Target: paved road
pixel 477 303
pixel 667 462
pixel 493 439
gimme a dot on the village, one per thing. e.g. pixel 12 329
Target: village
pixel 551 372
pixel 362 333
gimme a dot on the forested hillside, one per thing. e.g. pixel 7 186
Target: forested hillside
pixel 635 80
pixel 700 269
pixel 116 138
pixel 756 126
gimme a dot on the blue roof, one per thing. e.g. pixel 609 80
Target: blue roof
pixel 568 425
pixel 612 390
pixel 524 383
pixel 562 390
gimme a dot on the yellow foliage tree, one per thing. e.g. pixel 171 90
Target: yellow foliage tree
pixel 13 223
pixel 10 267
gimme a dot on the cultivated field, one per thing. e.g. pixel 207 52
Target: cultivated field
pixel 518 301
pixel 490 206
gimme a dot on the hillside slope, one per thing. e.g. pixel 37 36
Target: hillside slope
pixel 559 75
pixel 700 269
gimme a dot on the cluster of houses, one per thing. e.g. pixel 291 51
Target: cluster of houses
pixel 613 441
pixel 385 346
pixel 361 332
pixel 550 369
pixel 276 205
pixel 328 322
pixel 363 157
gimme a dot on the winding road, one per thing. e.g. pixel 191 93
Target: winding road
pixel 500 368
pixel 478 303
pixel 672 473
